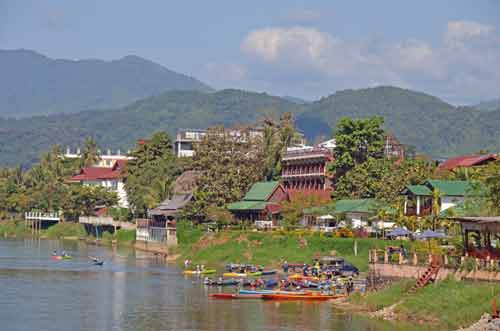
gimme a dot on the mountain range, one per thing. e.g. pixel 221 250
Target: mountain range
pixel 33 84
pixel 433 126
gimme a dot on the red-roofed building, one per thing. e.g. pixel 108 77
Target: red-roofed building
pixel 111 178
pixel 466 161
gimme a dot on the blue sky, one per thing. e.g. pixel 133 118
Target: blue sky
pixel 307 49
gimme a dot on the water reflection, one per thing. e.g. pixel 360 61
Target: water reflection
pixel 135 291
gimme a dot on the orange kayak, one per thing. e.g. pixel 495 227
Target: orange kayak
pixel 310 297
pixel 302 277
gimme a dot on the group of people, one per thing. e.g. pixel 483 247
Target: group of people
pixel 63 253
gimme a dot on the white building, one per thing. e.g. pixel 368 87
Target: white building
pixel 109 177
pixel 106 160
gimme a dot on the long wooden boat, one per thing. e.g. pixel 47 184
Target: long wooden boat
pixel 235 296
pixel 290 296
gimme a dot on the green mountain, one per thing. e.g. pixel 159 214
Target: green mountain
pixel 32 84
pixel 490 105
pixel 431 125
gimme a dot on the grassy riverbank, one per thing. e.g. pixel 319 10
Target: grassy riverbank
pixel 270 248
pixel 447 304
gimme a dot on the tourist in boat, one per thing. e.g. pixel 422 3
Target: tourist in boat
pixel 54 253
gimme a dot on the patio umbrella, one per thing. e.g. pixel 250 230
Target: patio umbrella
pixel 429 234
pixel 399 232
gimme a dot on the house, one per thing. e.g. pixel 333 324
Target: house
pixel 261 204
pixel 418 198
pixel 109 177
pixel 393 149
pixel 467 161
pixel 357 213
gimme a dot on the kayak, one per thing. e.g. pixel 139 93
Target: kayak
pixel 199 272
pixel 235 296
pixel 269 272
pixel 290 296
pixel 61 257
pixel 247 274
pixel 302 277
pixel 250 292
pixel 98 263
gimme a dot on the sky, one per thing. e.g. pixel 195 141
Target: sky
pixel 307 49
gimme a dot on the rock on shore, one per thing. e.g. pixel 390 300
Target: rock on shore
pixel 484 324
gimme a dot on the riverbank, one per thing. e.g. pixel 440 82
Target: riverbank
pixel 65 230
pixel 445 305
pixel 271 249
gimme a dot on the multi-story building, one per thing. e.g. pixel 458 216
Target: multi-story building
pixel 305 168
pixel 107 160
pixel 393 149
pixel 109 177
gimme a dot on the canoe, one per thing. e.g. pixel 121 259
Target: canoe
pixel 199 272
pixel 269 272
pixel 235 296
pixel 250 292
pixel 308 297
pixel 247 274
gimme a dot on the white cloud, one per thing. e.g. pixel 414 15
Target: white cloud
pixel 459 32
pixel 466 65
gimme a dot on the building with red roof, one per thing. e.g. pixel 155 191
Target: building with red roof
pixel 112 178
pixel 466 161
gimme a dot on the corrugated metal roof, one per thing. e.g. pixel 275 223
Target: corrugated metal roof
pixel 466 161
pixel 450 187
pixel 357 206
pixel 418 190
pixel 247 205
pixel 261 191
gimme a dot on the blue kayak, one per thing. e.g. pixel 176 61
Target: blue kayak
pixel 256 292
pixel 269 272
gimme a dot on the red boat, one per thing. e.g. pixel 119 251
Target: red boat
pixel 235 296
pixel 309 297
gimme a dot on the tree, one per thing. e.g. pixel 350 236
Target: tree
pixel 277 137
pixel 357 140
pixel 293 211
pixel 221 216
pixel 90 153
pixel 84 199
pixel 228 166
pixel 150 173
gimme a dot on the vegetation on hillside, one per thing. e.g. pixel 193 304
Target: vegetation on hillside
pixel 417 119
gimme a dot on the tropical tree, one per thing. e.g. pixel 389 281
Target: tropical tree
pixel 228 166
pixel 90 153
pixel 357 140
pixel 293 211
pixel 150 173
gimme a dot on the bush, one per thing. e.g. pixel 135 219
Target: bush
pixel 125 236
pixel 14 229
pixel 65 229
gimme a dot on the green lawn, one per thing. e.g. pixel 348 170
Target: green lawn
pixel 271 249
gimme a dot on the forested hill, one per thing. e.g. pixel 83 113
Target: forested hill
pixel 431 125
pixel 32 84
pixel 490 105
pixel 22 140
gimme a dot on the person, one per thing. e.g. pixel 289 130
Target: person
pixel 403 251
pixel 202 267
pixel 197 267
pixel 63 253
pixel 285 267
pixel 95 259
pixel 304 270
pixel 54 253
pixel 350 285
pixel 186 264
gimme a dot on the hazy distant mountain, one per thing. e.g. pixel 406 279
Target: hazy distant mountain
pixel 491 105
pixel 32 84
pixel 431 125
pixel 296 100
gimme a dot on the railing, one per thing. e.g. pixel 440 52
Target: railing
pixel 36 216
pixel 310 152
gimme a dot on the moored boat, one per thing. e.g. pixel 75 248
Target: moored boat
pixel 246 274
pixel 294 296
pixel 199 272
pixel 235 296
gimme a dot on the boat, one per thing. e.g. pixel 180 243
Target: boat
pixel 251 292
pixel 61 257
pixel 302 277
pixel 294 296
pixel 238 274
pixel 269 272
pixel 98 263
pixel 200 272
pixel 235 296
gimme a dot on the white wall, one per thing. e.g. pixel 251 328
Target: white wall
pixel 115 186
pixel 448 202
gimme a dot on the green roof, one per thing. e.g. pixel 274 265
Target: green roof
pixel 247 205
pixel 450 187
pixel 417 190
pixel 357 206
pixel 261 191
pixel 326 209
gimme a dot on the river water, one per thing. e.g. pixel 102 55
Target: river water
pixel 136 291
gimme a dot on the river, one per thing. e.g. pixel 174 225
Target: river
pixel 136 291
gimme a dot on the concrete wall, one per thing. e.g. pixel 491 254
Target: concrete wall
pixel 411 271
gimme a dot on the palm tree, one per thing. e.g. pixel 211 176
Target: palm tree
pixel 436 207
pixel 90 153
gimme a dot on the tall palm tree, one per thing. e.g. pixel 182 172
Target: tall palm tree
pixel 90 153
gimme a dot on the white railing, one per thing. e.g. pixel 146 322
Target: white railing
pixel 37 216
pixel 263 224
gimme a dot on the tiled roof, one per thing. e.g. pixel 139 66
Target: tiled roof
pixel 177 202
pixel 450 187
pixel 418 190
pixel 261 191
pixel 466 161
pixel 100 173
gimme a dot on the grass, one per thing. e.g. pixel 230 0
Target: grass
pixel 122 237
pixel 271 249
pixel 15 229
pixel 448 304
pixel 65 229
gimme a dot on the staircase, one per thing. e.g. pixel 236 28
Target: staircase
pixel 428 276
